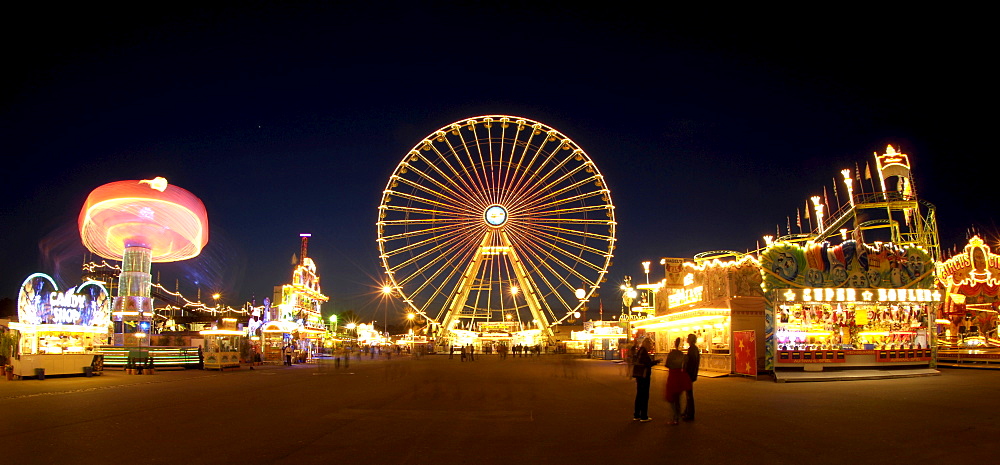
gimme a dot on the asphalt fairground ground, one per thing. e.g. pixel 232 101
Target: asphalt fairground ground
pixel 540 410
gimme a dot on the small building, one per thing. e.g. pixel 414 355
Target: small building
pixel 717 301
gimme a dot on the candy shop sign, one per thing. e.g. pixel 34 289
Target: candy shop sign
pixel 858 295
pixel 41 302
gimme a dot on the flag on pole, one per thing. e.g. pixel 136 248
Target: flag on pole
pixel 868 170
pixel 798 219
pixel 836 196
pixel 808 218
pixel 857 175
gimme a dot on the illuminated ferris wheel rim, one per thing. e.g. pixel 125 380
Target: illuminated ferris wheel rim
pixel 507 197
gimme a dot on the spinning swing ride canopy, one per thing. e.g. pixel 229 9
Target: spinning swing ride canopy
pixel 496 218
pixel 168 220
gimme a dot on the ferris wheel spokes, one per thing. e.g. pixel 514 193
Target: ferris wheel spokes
pixel 464 195
pixel 437 253
pixel 449 197
pixel 550 239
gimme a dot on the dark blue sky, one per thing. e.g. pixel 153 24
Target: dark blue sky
pixel 284 119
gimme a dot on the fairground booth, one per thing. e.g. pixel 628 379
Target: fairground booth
pixel 718 301
pixel 59 331
pixel 967 320
pixel 848 306
pixel 598 339
pixel 222 345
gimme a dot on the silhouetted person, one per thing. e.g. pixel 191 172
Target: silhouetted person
pixel 642 372
pixel 691 362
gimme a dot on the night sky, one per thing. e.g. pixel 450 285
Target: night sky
pixel 710 129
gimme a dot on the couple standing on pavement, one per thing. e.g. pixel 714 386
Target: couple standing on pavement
pixel 683 370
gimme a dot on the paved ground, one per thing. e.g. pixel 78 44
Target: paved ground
pixel 436 410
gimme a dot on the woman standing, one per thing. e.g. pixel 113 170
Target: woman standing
pixel 642 369
pixel 678 380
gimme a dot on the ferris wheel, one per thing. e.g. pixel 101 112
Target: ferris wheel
pixel 496 219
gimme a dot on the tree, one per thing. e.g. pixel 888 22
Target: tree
pixel 7 308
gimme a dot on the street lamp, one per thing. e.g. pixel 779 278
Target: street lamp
pixel 352 327
pixel 628 294
pixel 387 292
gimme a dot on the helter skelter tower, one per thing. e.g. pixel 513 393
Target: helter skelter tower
pixel 496 219
pixel 141 222
pixel 889 210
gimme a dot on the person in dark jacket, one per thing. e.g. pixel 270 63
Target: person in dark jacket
pixel 691 362
pixel 642 372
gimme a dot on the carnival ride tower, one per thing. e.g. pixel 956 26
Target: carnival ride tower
pixel 496 219
pixel 139 223
pixel 892 212
pixel 301 301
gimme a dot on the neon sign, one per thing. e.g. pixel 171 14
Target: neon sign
pixel 67 306
pixel 858 295
pixel 41 302
pixel 687 296
pixel 977 265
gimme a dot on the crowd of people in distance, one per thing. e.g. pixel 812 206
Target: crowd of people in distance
pixel 468 351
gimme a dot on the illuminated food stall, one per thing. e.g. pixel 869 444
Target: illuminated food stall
pixel 852 305
pixel 59 332
pixel 493 334
pixel 599 339
pixel 222 346
pixel 967 319
pixel 712 300
pixel 275 336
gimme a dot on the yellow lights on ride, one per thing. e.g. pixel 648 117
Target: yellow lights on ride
pixel 819 211
pixel 850 184
pixel 158 183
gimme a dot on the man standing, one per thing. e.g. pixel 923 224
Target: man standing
pixel 642 372
pixel 691 362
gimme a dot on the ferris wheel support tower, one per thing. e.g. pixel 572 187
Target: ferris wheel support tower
pixel 486 251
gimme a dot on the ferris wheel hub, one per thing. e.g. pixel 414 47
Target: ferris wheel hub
pixel 496 216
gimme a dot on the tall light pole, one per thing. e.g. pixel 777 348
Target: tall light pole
pixel 387 292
